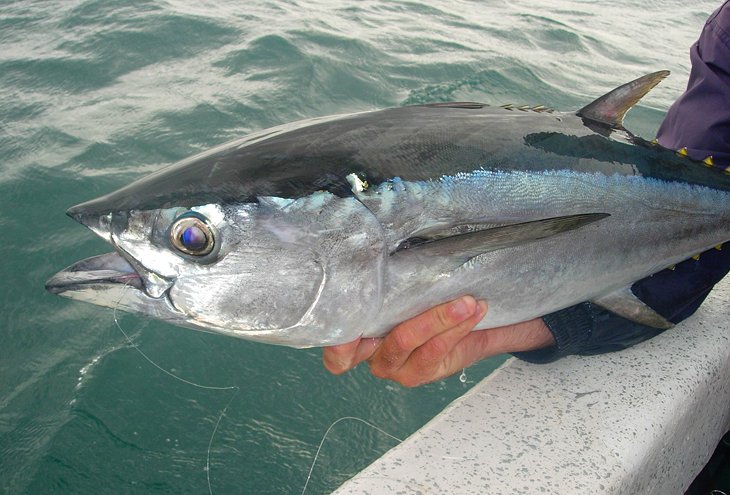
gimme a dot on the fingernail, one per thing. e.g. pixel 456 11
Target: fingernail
pixel 463 307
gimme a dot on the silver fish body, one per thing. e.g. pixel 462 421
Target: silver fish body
pixel 321 231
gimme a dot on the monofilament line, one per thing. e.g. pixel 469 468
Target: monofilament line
pixel 324 437
pixel 131 343
pixel 188 382
pixel 210 442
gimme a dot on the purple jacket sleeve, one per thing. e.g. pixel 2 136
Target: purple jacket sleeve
pixel 700 119
pixel 700 122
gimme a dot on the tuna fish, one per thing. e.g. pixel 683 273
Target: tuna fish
pixel 320 231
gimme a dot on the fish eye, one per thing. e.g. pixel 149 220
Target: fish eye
pixel 191 234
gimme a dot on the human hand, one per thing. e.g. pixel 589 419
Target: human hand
pixel 436 344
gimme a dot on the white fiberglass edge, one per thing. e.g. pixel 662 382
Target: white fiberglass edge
pixel 644 420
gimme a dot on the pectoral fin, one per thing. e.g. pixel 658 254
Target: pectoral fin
pixel 624 303
pixel 458 249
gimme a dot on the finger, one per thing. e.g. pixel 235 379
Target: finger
pixel 408 336
pixel 433 360
pixel 526 336
pixel 365 349
pixel 338 358
pixel 481 344
pixel 472 348
pixel 341 358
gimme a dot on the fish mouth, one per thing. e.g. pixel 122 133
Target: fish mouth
pixel 109 280
pixel 98 273
pixel 95 273
pixel 115 279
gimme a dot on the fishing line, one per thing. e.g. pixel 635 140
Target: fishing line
pixel 324 437
pixel 210 442
pixel 206 387
pixel 188 382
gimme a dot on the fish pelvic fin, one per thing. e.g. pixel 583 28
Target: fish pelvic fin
pixel 461 248
pixel 611 108
pixel 624 303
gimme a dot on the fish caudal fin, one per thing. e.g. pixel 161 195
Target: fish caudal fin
pixel 611 108
pixel 624 303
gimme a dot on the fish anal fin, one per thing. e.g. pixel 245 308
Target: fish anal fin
pixel 611 108
pixel 460 248
pixel 624 303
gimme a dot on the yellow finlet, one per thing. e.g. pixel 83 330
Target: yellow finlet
pixel 654 142
pixel 708 161
pixel 682 152
pixel 727 170
pixel 673 267
pixel 696 257
pixel 719 247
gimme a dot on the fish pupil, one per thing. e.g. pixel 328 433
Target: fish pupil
pixel 193 238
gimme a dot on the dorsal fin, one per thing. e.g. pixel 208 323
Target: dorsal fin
pixel 611 108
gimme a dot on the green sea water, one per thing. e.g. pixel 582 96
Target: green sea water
pixel 94 94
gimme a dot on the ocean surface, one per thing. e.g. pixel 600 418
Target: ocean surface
pixel 94 94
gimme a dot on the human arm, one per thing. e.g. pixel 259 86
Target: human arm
pixel 436 344
pixel 675 293
pixel 441 341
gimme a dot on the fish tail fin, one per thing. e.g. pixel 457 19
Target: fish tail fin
pixel 611 108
